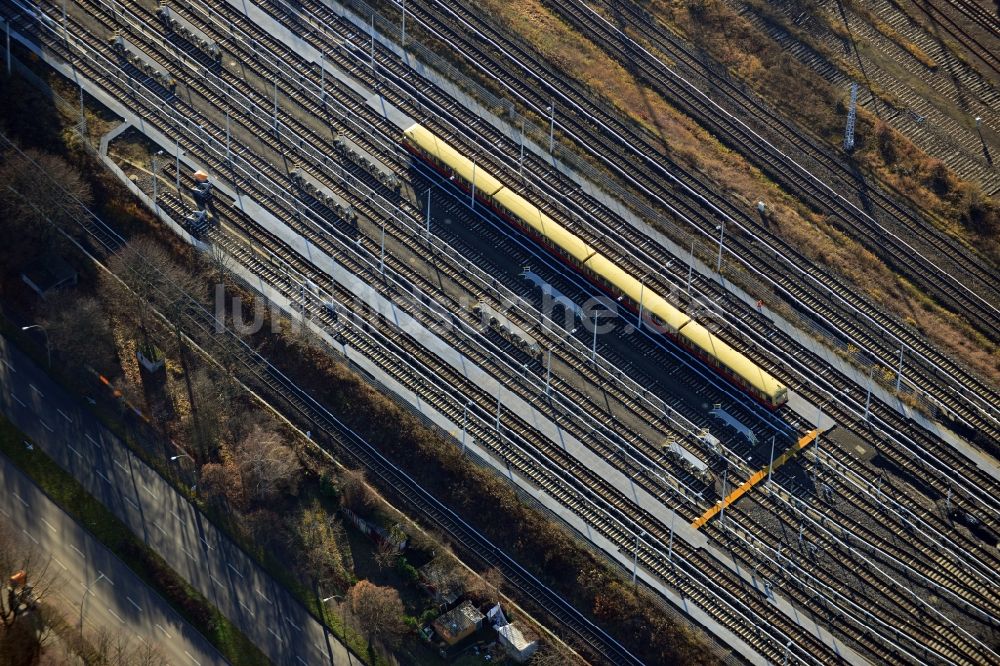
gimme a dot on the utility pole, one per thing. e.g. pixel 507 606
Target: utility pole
pixel 690 267
pixel 156 206
pixel 322 78
pixel 852 112
pixel 770 464
pixel 722 509
pixel 552 129
pixel 593 350
pixel 868 399
pixel 899 370
pixel 520 161
pixel 642 293
pixel 381 259
pixel 722 236
pixel 275 102
pixel 635 559
pixel 548 371
pixel 670 544
pixel 465 416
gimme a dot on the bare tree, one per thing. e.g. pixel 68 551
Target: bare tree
pixel 485 586
pixel 322 543
pixel 24 621
pixel 109 648
pixel 266 465
pixel 355 493
pixel 379 611
pixel 38 192
pixel 78 328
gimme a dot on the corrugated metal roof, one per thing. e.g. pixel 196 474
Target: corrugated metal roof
pixel 702 338
pixel 426 140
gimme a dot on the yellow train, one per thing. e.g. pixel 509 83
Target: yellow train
pixel 597 268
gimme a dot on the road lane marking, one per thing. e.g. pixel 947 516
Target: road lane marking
pixel 105 577
pixel 261 595
pixel 192 658
pixel 101 474
pixel 289 621
pixel 249 610
pixel 46 425
pixel 59 562
pixel 157 526
pixel 64 415
pixel 134 505
pixel 207 545
pixel 216 580
pixel 120 618
pixel 234 569
pixel 35 389
pixel 151 493
pixel 165 632
pixel 78 454
pixel 177 515
pixel 137 606
pixel 30 536
pixel 17 400
pixel 20 499
pixel 188 552
pixel 280 640
pixel 9 366
pixel 4 512
pixel 124 468
pixel 92 440
pixel 78 551
pixel 301 659
pixel 49 525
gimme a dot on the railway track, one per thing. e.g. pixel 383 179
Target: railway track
pixel 682 586
pixel 922 440
pixel 687 72
pixel 935 131
pixel 817 298
pixel 956 260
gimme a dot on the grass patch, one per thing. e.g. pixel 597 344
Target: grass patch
pixel 65 491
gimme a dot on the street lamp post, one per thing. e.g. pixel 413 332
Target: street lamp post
pixel 48 349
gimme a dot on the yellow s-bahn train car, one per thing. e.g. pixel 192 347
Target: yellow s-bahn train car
pixel 598 269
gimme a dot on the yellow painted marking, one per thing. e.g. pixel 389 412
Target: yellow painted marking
pixel 755 479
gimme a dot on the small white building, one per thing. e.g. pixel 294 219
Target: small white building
pixel 518 645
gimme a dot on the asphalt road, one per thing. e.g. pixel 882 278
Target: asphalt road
pixel 87 578
pixel 264 610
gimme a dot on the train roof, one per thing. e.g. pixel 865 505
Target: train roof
pixel 429 142
pixel 652 302
pixel 543 224
pixel 703 339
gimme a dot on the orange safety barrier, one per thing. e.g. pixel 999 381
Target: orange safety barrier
pixel 803 442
